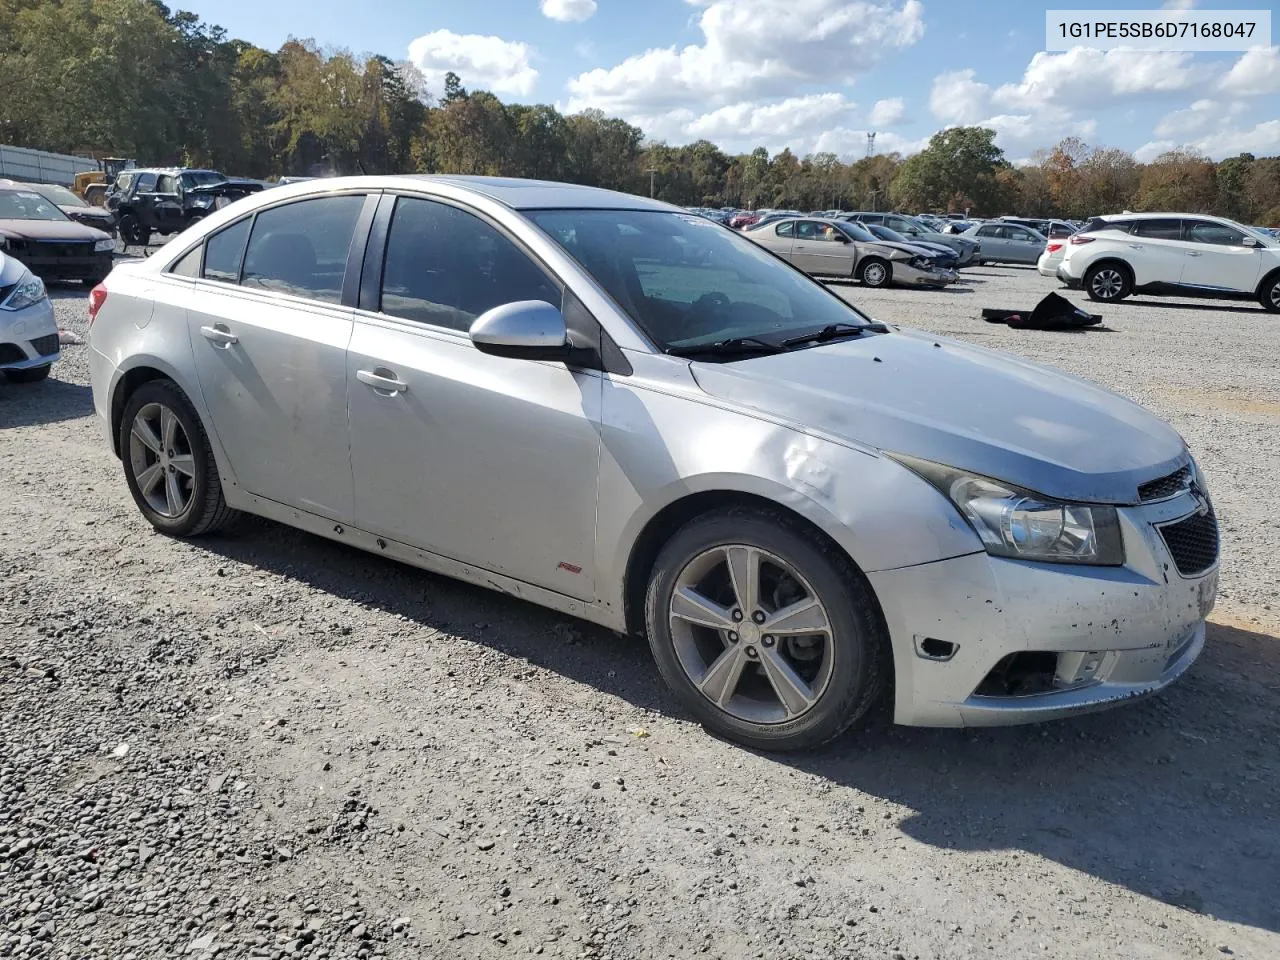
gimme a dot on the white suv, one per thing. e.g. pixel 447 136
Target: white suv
pixel 1172 253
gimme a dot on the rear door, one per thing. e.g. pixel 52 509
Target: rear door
pixel 270 320
pixel 1217 259
pixel 1155 251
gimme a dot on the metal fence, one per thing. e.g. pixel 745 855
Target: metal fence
pixel 39 166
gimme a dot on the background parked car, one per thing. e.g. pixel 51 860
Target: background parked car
pixel 1007 242
pixel 73 206
pixel 28 332
pixel 966 248
pixel 941 255
pixel 34 231
pixel 836 248
pixel 1172 253
pixel 168 200
pixel 1050 229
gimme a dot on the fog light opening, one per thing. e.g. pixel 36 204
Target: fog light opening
pixel 1021 675
pixel 931 648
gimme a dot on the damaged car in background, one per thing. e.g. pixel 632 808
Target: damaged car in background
pixel 36 232
pixel 630 414
pixel 844 250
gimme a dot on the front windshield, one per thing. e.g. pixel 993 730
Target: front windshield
pixel 61 195
pixel 856 231
pixel 28 205
pixel 687 281
pixel 200 178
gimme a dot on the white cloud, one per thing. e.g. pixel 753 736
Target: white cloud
pixel 851 144
pixel 958 98
pixel 569 10
pixel 753 49
pixel 886 113
pixel 485 63
pixel 796 116
pixel 1197 118
pixel 1224 142
pixel 1149 151
pixel 1083 77
pixel 1256 73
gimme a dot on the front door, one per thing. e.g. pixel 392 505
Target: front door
pixel 270 335
pixel 1217 258
pixel 488 460
pixel 821 249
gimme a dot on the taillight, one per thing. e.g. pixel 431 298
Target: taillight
pixel 1077 240
pixel 97 297
pixel 1055 247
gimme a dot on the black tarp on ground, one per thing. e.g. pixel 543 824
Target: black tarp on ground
pixel 1051 313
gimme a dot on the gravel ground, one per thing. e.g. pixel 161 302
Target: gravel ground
pixel 264 744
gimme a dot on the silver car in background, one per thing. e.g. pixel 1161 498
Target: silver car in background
pixel 629 414
pixel 28 332
pixel 840 249
pixel 1007 242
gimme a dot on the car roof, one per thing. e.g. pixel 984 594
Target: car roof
pixel 1161 216
pixel 534 194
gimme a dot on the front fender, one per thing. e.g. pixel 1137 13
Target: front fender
pixel 660 448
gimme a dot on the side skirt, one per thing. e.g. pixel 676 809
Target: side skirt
pixel 425 560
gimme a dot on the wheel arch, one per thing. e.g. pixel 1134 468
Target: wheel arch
pixel 144 370
pixel 1267 278
pixel 664 524
pixel 1114 261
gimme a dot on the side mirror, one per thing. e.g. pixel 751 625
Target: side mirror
pixel 525 330
pixel 1250 242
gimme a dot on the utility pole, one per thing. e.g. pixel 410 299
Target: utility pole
pixel 652 174
pixel 871 143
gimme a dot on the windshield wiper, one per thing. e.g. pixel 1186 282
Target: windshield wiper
pixel 835 331
pixel 733 346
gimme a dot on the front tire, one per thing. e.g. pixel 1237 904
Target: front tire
pixel 28 374
pixel 1108 283
pixel 133 232
pixel 875 272
pixel 168 462
pixel 769 635
pixel 1269 294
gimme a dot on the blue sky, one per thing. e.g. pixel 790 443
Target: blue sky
pixel 808 74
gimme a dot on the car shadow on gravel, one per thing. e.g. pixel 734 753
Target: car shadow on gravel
pixel 1172 798
pixel 1215 307
pixel 49 401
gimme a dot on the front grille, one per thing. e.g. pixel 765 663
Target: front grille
pixel 46 345
pixel 11 353
pixel 44 249
pixel 1162 487
pixel 1193 542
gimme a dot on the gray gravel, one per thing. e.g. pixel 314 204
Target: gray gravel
pixel 263 744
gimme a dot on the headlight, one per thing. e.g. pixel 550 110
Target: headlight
pixel 1017 523
pixel 102 246
pixel 921 263
pixel 28 290
pixel 202 201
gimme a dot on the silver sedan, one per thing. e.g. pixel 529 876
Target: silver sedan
pixel 630 414
pixel 833 248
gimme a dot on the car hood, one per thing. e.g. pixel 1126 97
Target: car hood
pixel 88 213
pixel 50 230
pixel 227 188
pixel 896 246
pixel 975 409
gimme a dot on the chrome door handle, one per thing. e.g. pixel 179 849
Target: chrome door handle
pixel 381 382
pixel 219 335
pixel 1193 253
pixel 1135 246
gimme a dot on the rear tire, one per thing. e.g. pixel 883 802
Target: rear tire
pixel 1108 283
pixel 29 374
pixel 1269 294
pixel 842 668
pixel 168 462
pixel 874 272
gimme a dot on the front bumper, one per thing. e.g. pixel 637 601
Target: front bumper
pixel 28 337
pixel 910 276
pixel 55 266
pixel 1114 633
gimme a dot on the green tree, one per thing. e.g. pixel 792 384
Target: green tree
pixel 957 168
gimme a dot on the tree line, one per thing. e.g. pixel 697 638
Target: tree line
pixel 134 78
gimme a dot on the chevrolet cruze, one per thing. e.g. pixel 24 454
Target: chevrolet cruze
pixel 629 414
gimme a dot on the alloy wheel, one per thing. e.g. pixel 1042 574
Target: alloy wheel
pixel 161 459
pixel 873 275
pixel 751 634
pixel 1275 295
pixel 1107 283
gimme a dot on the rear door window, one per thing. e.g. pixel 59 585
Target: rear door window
pixel 301 248
pixel 225 252
pixel 1159 228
